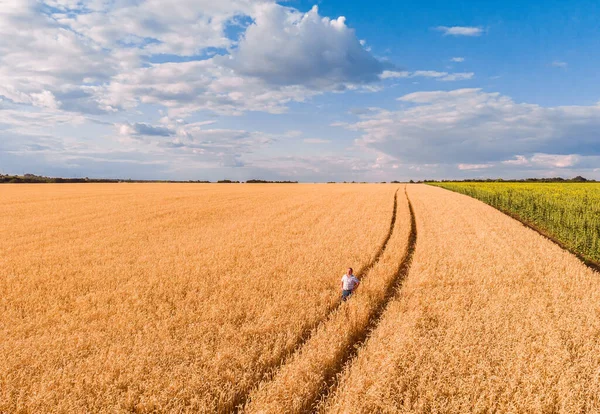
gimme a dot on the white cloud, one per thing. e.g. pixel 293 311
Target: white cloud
pixel 441 76
pixel 143 129
pixel 559 64
pixel 283 55
pixel 457 76
pixel 316 141
pixel 517 160
pixel 469 126
pixel 429 74
pixel 390 74
pixel 44 64
pixel 458 59
pixel 545 160
pixel 83 82
pixel 293 133
pixel 460 30
pixel 469 167
pixel 36 121
pixel 188 87
pixel 286 47
pixel 187 28
pixel 45 99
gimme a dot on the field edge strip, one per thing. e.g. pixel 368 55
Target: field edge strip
pixel 240 400
pixel 595 266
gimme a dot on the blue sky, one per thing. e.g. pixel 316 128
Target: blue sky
pixel 313 91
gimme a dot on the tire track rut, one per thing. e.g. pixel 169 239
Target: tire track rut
pixel 394 287
pixel 239 401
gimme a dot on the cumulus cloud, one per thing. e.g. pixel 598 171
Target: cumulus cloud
pixel 45 63
pixel 283 56
pixel 286 47
pixel 473 127
pixel 73 72
pixel 460 30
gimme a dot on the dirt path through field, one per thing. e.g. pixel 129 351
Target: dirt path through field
pixel 492 317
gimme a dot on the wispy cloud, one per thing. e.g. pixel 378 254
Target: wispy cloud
pixel 559 64
pixel 457 76
pixel 458 59
pixel 468 167
pixel 545 160
pixel 316 141
pixel 391 74
pixel 434 74
pixel 460 30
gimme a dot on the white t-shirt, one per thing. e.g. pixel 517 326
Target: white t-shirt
pixel 349 282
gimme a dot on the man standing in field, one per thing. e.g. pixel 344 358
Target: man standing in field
pixel 349 284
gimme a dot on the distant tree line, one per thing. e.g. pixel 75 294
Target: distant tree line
pixel 32 178
pixel 270 182
pixel 578 179
pixel 39 179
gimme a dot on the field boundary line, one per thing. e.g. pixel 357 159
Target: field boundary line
pixel 587 262
pixel 240 400
pixel 393 289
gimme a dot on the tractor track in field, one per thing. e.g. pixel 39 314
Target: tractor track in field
pixel 240 400
pixel 394 287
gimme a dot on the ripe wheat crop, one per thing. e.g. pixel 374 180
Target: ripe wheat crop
pixel 299 384
pixel 213 298
pixel 168 297
pixel 492 317
pixel 568 212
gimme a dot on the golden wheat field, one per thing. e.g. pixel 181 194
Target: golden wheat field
pixel 225 298
pixel 491 318
pixel 141 297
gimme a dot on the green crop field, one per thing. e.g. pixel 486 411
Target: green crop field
pixel 569 212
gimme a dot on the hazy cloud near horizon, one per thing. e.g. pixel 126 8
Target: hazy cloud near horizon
pixel 235 88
